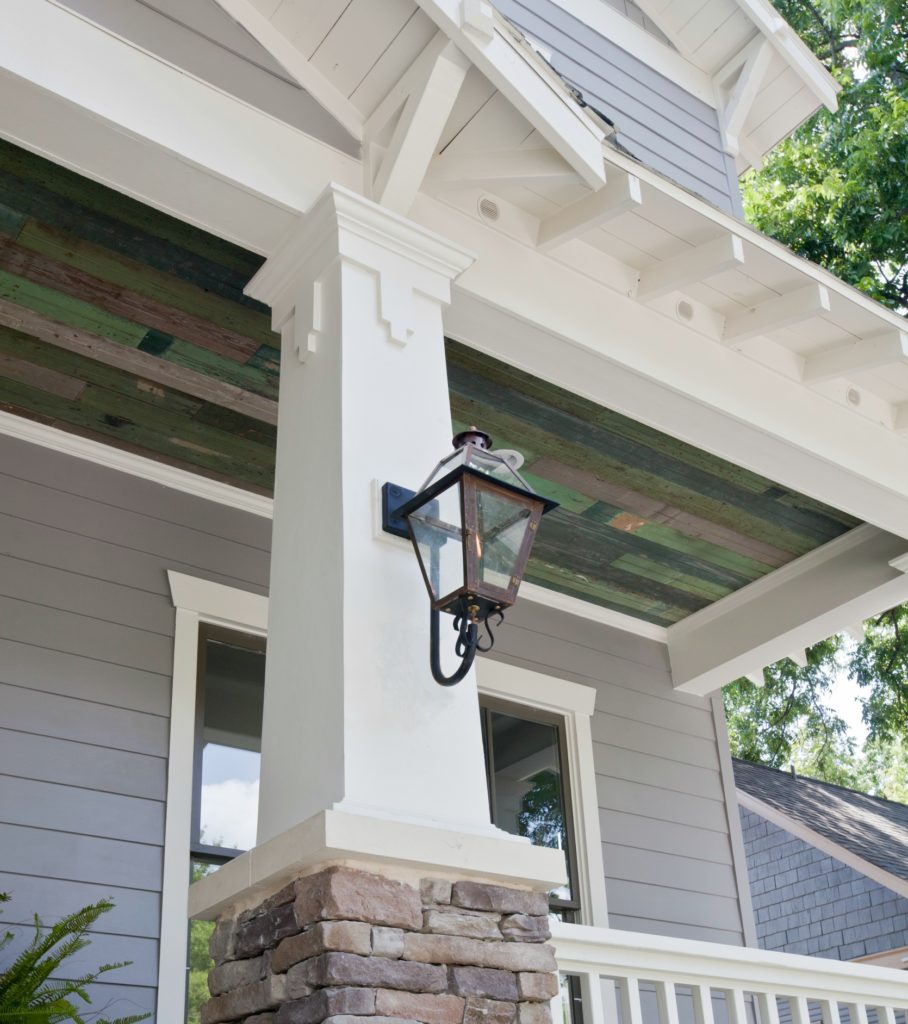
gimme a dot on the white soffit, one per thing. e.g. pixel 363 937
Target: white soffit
pixel 766 80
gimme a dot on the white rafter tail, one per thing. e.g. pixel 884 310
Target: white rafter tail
pixel 424 97
pixel 745 91
pixel 900 417
pixel 865 354
pixel 499 167
pixel 695 264
pixel 799 658
pixel 848 580
pixel 774 314
pixel 529 84
pixel 621 194
pixel 855 631
pixel 247 15
pixel 757 678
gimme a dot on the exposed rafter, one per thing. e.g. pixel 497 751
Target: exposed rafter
pixel 499 167
pixel 865 354
pixel 421 102
pixel 247 15
pixel 695 264
pixel 822 593
pixel 620 194
pixel 772 315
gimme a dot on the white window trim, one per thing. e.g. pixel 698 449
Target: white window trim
pixel 575 704
pixel 196 601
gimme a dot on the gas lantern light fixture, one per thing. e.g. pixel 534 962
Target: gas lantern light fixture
pixel 472 525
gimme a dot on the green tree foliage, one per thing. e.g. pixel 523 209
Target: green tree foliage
pixel 34 988
pixel 835 191
pixel 200 963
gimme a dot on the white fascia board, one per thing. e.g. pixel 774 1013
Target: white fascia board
pixel 608 22
pixel 821 842
pixel 526 81
pixel 646 365
pixel 848 580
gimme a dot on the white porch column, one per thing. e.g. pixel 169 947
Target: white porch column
pixel 353 720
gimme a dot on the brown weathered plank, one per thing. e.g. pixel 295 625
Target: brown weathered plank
pixel 40 377
pixel 122 302
pixel 149 367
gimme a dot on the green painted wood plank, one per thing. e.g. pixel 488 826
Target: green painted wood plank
pixel 69 310
pixel 127 272
pixel 101 198
pixel 11 222
pixel 672 577
pixel 248 377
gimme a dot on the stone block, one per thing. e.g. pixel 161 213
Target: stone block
pixel 429 1009
pixel 471 926
pixel 346 894
pixel 435 890
pixel 327 1002
pixel 220 942
pixel 324 937
pixel 523 928
pixel 477 896
pixel 242 1002
pixel 234 974
pixel 337 969
pixel 343 1018
pixel 388 942
pixel 261 1018
pixel 534 1013
pixel 537 987
pixel 484 981
pixel 454 949
pixel 265 930
pixel 489 1011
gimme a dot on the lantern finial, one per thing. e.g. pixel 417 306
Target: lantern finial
pixel 474 436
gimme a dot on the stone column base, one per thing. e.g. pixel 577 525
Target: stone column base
pixel 342 945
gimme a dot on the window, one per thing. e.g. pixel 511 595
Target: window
pixel 528 782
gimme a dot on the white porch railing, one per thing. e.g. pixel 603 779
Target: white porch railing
pixel 631 978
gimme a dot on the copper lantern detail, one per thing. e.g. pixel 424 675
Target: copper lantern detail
pixel 472 525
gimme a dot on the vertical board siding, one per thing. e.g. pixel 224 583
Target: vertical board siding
pixel 669 866
pixel 86 654
pixel 658 122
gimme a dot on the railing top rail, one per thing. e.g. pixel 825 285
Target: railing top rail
pixel 607 950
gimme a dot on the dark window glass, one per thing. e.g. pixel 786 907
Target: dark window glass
pixel 527 785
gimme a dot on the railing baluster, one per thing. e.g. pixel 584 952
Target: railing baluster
pixel 769 1010
pixel 631 1008
pixel 703 1005
pixel 857 1012
pixel 668 1002
pixel 735 1006
pixel 830 1011
pixel 885 1014
pixel 800 1012
pixel 593 1005
pixel 610 1000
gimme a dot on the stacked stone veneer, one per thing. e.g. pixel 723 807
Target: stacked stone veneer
pixel 341 945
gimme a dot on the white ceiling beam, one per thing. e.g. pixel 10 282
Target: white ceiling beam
pixel 248 16
pixel 620 194
pixel 424 99
pixel 820 594
pixel 694 264
pixel 744 93
pixel 772 315
pixel 864 354
pixel 498 167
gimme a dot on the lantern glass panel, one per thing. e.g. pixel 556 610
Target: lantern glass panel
pixel 437 531
pixel 502 524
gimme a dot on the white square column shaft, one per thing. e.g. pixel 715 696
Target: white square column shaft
pixel 353 720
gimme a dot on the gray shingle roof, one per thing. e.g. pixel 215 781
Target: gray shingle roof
pixel 869 827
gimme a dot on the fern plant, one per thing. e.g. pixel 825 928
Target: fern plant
pixel 28 992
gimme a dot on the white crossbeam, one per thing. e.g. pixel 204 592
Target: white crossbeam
pixel 620 194
pixel 864 354
pixel 423 98
pixel 246 14
pixel 783 311
pixel 848 580
pixel 500 166
pixel 696 264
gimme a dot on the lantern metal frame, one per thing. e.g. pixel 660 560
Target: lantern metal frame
pixel 471 606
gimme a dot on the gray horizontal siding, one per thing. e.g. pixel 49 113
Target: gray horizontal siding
pixel 808 902
pixel 665 836
pixel 86 655
pixel 660 123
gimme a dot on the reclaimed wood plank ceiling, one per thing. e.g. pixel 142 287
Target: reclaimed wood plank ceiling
pixel 125 325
